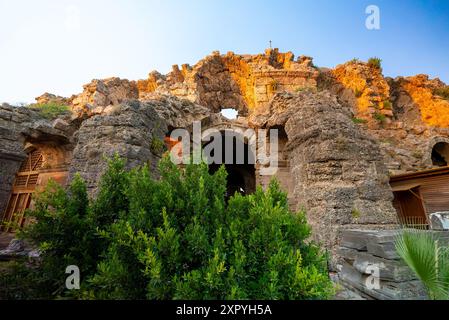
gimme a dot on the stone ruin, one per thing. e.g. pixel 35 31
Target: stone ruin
pixel 342 131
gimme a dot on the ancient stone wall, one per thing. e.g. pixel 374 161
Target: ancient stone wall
pixel 22 129
pixel 241 82
pixel 344 130
pixel 405 115
pixel 338 171
pixel 11 150
pixel 132 130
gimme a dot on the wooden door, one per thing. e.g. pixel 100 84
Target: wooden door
pixel 23 188
pixel 410 207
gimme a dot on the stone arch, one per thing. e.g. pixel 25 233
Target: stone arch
pixel 437 153
pixel 239 163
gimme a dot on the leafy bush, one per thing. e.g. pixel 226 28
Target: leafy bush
pixel 442 92
pixel 375 63
pixel 19 281
pixel 175 238
pixel 428 259
pixel 387 105
pixel 66 234
pixel 379 117
pixel 358 120
pixel 50 110
pixel 157 145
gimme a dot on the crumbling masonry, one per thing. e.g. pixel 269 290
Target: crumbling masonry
pixel 342 131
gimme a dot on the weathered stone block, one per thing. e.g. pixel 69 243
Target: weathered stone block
pixel 389 270
pixel 355 239
pixel 349 255
pixel 384 250
pixel 379 289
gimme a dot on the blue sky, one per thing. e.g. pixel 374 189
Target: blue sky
pixel 59 45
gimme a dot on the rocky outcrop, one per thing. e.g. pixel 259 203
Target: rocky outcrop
pixel 242 82
pixel 404 115
pixel 129 130
pixel 369 88
pixel 178 113
pixel 343 130
pixel 51 98
pixel 103 93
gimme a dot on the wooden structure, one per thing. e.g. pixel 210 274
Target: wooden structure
pixel 24 185
pixel 419 194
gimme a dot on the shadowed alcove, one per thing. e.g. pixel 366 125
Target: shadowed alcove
pixel 238 159
pixel 440 154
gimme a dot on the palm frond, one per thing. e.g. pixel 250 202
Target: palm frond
pixel 422 252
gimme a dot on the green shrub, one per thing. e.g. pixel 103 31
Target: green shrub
pixel 50 110
pixel 358 120
pixel 66 234
pixel 157 145
pixel 379 117
pixel 175 238
pixel 355 213
pixel 442 92
pixel 387 105
pixel 375 63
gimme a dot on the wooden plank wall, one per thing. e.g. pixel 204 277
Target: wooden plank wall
pixel 434 191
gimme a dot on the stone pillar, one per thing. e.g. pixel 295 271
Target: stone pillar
pixel 338 171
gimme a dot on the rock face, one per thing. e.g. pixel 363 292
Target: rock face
pixel 406 115
pixel 128 130
pixel 242 82
pixel 178 113
pixel 370 88
pixel 51 98
pixel 102 93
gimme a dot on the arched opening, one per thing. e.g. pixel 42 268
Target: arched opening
pixel 234 152
pixel 440 154
pixel 24 185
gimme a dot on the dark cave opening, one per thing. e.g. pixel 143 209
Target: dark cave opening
pixel 239 163
pixel 440 154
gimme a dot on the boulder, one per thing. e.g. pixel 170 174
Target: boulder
pixel 439 221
